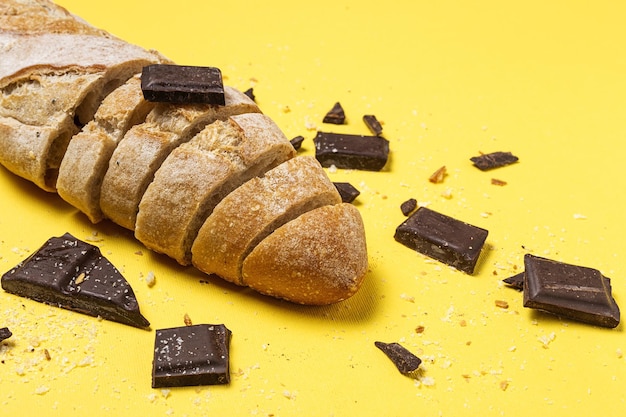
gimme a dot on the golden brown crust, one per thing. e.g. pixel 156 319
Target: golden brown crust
pixel 254 210
pixel 144 148
pixel 318 258
pixel 199 174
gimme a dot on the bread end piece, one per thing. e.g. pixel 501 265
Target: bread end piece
pixel 318 258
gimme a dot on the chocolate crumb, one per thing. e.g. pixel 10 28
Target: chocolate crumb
pixel 404 360
pixel 485 162
pixel 5 333
pixel 336 115
pixel 297 142
pixel 373 124
pixel 347 191
pixel 408 206
pixel 438 176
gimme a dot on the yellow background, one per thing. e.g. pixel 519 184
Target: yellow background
pixel 544 80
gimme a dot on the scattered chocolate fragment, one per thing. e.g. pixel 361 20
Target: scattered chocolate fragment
pixel 405 361
pixel 495 181
pixel 191 356
pixel 493 160
pixel 438 176
pixel 347 191
pixel 250 93
pixel 297 142
pixel 408 206
pixel 182 84
pixel 516 281
pixel 373 124
pixel 368 153
pixel 336 115
pixel 72 274
pixel 570 291
pixel 444 238
pixel 5 333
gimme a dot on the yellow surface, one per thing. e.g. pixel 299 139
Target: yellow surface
pixel 544 80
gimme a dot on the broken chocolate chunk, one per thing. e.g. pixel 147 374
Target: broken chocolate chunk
pixel 493 160
pixel 373 124
pixel 347 191
pixel 297 142
pixel 408 206
pixel 405 361
pixel 191 356
pixel 336 115
pixel 444 238
pixel 250 93
pixel 69 273
pixel 368 153
pixel 182 84
pixel 569 291
pixel 516 281
pixel 5 333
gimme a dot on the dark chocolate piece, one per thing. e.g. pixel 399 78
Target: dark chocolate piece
pixel 493 160
pixel 250 93
pixel 373 124
pixel 347 191
pixel 444 238
pixel 336 115
pixel 5 333
pixel 72 274
pixel 297 142
pixel 516 281
pixel 570 291
pixel 182 84
pixel 405 361
pixel 368 153
pixel 191 356
pixel 408 206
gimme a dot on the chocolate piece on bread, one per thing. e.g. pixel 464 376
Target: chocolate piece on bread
pixel 182 84
pixel 145 146
pixel 257 208
pixel 197 175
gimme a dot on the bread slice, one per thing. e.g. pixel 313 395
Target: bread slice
pixel 87 157
pixel 318 258
pixel 253 211
pixel 145 146
pixel 50 86
pixel 200 173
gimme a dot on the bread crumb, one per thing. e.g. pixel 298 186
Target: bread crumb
pixel 620 353
pixel 547 339
pixel 420 329
pixel 579 216
pixel 447 193
pixel 150 279
pixel 502 304
pixel 166 393
pixel 504 385
pixel 291 395
pixel 408 298
pixel 438 176
pixel 495 181
pixel 80 278
pixel 42 389
pixel 187 320
pixel 93 237
pixel 46 354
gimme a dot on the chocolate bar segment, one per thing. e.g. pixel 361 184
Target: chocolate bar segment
pixel 368 153
pixel 405 361
pixel 347 191
pixel 191 356
pixel 73 274
pixel 5 333
pixel 182 84
pixel 569 291
pixel 493 160
pixel 336 115
pixel 444 238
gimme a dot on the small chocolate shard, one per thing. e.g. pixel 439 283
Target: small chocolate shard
pixel 5 333
pixel 516 281
pixel 250 93
pixel 297 142
pixel 444 238
pixel 191 356
pixel 403 359
pixel 347 191
pixel 570 291
pixel 493 160
pixel 72 274
pixel 336 115
pixel 182 84
pixel 368 153
pixel 373 124
pixel 408 206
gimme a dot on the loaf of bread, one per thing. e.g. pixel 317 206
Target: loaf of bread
pixel 216 186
